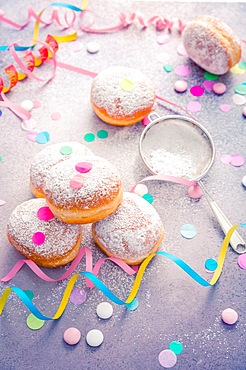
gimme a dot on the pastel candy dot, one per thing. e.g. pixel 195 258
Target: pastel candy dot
pixel 180 86
pixel 89 137
pixel 163 39
pixel 45 214
pixel 237 160
pixel 76 182
pixel 238 99
pixel 167 358
pixel 94 338
pixel 219 88
pixel 29 294
pixel 72 336
pixel 66 150
pixel 225 108
pixel 148 197
pixel 27 105
pixel 176 347
pixel 244 180
pixel 102 134
pixel 242 261
pixel 127 85
pixel 42 137
pixel 104 310
pixel 211 264
pixel 229 316
pixel 242 65
pixel 240 89
pixel 140 189
pixel 78 296
pixel 83 167
pixel 132 306
pixel 208 85
pixel 28 124
pixel 34 323
pixel 168 67
pixel 145 121
pixel 92 47
pixel 36 103
pixel 182 70
pixel 55 116
pixel 188 231
pixel 38 238
pixel 210 76
pixel 194 106
pixel 195 192
pixel 197 90
pixel 226 158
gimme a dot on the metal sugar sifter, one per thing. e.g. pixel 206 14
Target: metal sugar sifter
pixel 181 147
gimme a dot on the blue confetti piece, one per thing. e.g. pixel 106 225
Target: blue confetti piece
pixel 43 137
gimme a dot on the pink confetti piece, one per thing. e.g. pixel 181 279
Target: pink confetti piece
pixel 31 135
pixel 76 46
pixel 55 116
pixel 219 88
pixel 182 70
pixel 45 214
pixel 163 39
pixel 83 167
pixel 237 160
pixel 208 85
pixel 225 108
pixel 36 103
pixel 194 106
pixel 29 124
pixel 145 121
pixel 2 202
pixel 181 50
pixel 195 192
pixel 167 358
pixel 226 158
pixel 241 261
pixel 197 90
pixel 38 238
pixel 76 182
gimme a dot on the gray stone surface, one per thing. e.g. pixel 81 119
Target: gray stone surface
pixel 171 305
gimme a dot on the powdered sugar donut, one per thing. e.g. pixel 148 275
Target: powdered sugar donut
pixel 122 96
pixel 50 156
pixel 212 44
pixel 38 235
pixel 132 233
pixel 83 192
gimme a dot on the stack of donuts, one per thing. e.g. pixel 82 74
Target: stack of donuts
pixel 73 187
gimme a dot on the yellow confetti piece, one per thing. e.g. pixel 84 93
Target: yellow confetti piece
pixel 127 85
pixel 237 70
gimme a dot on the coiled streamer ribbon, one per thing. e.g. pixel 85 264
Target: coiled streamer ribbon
pixel 136 285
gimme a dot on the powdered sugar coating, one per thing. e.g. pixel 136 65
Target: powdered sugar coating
pixel 60 238
pixel 107 93
pixel 101 184
pixel 50 156
pixel 211 44
pixel 132 231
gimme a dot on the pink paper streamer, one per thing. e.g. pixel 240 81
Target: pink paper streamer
pixel 177 180
pixel 89 267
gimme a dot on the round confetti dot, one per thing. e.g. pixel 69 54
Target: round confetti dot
pixel 180 86
pixel 55 116
pixel 242 65
pixel 183 71
pixel 244 111
pixel 89 137
pixel 167 358
pixel 127 85
pixel 240 89
pixel 27 105
pixel 208 85
pixel 242 261
pixel 148 197
pixel 42 137
pixel 194 106
pixel 66 150
pixel 244 180
pixel 28 124
pixel 225 108
pixel 94 338
pixel 211 264
pixel 145 121
pixel 176 347
pixel 76 46
pixel 197 90
pixel 83 167
pixel 92 47
pixel 226 158
pixel 195 192
pixel 237 160
pixel 38 238
pixel 188 231
pixel 168 67
pixel 31 135
pixel 34 323
pixel 72 336
pixel 36 103
pixel 29 294
pixel 181 50
pixel 229 316
pixel 132 306
pixel 45 214
pixel 210 76
pixel 140 189
pixel 238 99
pixel 104 310
pixel 219 88
pixel 163 39
pixel 76 182
pixel 78 296
pixel 237 70
pixel 102 134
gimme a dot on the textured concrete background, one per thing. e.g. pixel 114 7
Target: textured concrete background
pixel 171 305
